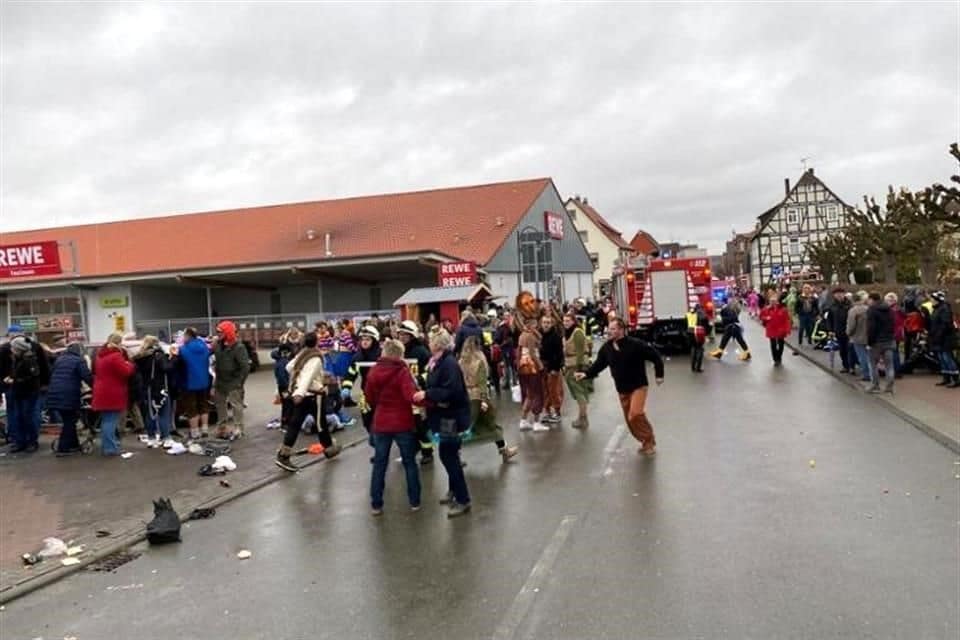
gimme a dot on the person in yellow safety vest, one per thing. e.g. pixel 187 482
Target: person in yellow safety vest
pixel 366 356
pixel 698 325
pixel 415 349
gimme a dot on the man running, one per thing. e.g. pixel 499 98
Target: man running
pixel 627 358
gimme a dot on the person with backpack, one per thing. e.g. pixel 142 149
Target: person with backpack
pixel 155 369
pixel 67 377
pixel 27 373
pixel 111 390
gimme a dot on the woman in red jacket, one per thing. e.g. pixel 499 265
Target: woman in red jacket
pixel 112 372
pixel 776 321
pixel 389 390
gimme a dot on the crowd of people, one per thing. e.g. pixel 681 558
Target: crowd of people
pixel 876 336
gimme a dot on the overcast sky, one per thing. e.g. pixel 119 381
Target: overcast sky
pixel 681 119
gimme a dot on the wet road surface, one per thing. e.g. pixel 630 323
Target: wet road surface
pixel 778 506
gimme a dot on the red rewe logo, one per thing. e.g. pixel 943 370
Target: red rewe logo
pixel 32 259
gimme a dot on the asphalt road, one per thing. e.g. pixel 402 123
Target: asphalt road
pixel 780 505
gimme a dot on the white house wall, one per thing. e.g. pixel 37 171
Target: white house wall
pixel 597 242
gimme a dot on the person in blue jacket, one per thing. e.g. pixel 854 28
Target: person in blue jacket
pixel 70 372
pixel 194 400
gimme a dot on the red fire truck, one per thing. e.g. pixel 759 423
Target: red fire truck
pixel 655 295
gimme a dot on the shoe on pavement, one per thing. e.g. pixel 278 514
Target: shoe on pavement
pixel 348 423
pixel 539 427
pixel 167 443
pixel 285 463
pixel 447 499
pixel 508 452
pixel 414 508
pixel 376 512
pixel 745 356
pixel 716 353
pixel 580 423
pixel 458 509
pixel 152 443
pixel 525 425
pixel 426 460
pixel 67 453
pixel 648 451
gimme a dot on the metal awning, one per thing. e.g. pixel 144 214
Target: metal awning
pixel 433 295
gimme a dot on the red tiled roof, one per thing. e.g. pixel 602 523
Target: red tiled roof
pixel 605 227
pixel 467 222
pixel 643 243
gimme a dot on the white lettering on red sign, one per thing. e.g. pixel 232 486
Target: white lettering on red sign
pixel 554 225
pixel 41 258
pixel 458 274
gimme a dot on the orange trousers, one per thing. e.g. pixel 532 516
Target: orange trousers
pixel 635 413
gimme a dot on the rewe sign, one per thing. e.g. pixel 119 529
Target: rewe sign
pixel 553 224
pixel 458 274
pixel 33 259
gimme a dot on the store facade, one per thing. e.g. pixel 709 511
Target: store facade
pixel 269 268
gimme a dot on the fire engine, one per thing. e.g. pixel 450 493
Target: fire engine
pixel 655 295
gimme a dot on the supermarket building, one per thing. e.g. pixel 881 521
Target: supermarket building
pixel 272 267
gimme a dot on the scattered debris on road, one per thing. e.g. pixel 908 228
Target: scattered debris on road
pixel 244 554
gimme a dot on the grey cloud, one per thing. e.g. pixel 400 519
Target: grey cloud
pixel 681 119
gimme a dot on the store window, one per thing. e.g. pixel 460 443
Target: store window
pixel 20 308
pixel 71 305
pixel 47 305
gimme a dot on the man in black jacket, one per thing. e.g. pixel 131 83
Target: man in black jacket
pixel 836 316
pixel 627 358
pixel 880 342
pixel 943 340
pixel 26 373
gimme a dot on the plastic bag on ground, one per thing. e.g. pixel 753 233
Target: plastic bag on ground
pixel 224 463
pixel 515 394
pixel 52 547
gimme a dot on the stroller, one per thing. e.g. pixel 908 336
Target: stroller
pixel 920 356
pixel 87 428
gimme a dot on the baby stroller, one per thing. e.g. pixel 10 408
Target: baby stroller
pixel 819 336
pixel 87 428
pixel 920 356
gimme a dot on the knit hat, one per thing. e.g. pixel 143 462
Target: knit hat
pixel 939 296
pixel 20 345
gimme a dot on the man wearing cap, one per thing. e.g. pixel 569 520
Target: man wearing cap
pixel 415 349
pixel 943 340
pixel 24 373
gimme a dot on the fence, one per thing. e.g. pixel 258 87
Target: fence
pixel 263 331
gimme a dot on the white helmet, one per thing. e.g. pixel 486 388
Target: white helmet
pixel 371 332
pixel 409 326
pixel 492 313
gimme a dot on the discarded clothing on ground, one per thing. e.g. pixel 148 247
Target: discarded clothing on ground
pixel 165 526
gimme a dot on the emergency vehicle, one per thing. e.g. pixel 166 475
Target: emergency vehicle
pixel 655 295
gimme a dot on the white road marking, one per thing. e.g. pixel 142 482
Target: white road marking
pixel 613 445
pixel 509 624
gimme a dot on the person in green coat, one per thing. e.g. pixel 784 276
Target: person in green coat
pixel 483 416
pixel 576 357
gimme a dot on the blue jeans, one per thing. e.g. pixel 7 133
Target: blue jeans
pixel 109 442
pixel 24 428
pixel 863 359
pixel 407 443
pixel 450 457
pixel 159 422
pixel 948 366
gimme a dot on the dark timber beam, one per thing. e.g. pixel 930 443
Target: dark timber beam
pixel 212 282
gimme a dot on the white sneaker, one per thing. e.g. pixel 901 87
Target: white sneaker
pixel 539 426
pixel 167 443
pixel 153 443
pixel 525 425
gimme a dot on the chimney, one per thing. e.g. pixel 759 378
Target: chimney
pixel 327 241
pixel 810 171
pixel 585 200
pixel 786 186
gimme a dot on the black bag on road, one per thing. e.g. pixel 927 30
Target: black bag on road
pixel 165 526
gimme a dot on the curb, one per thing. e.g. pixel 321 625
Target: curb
pixel 852 382
pixel 130 538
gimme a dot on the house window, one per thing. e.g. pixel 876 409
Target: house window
pixel 794 246
pixel 832 214
pixel 583 234
pixel 793 216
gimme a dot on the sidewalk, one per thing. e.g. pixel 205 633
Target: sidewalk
pixel 931 409
pixel 72 498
